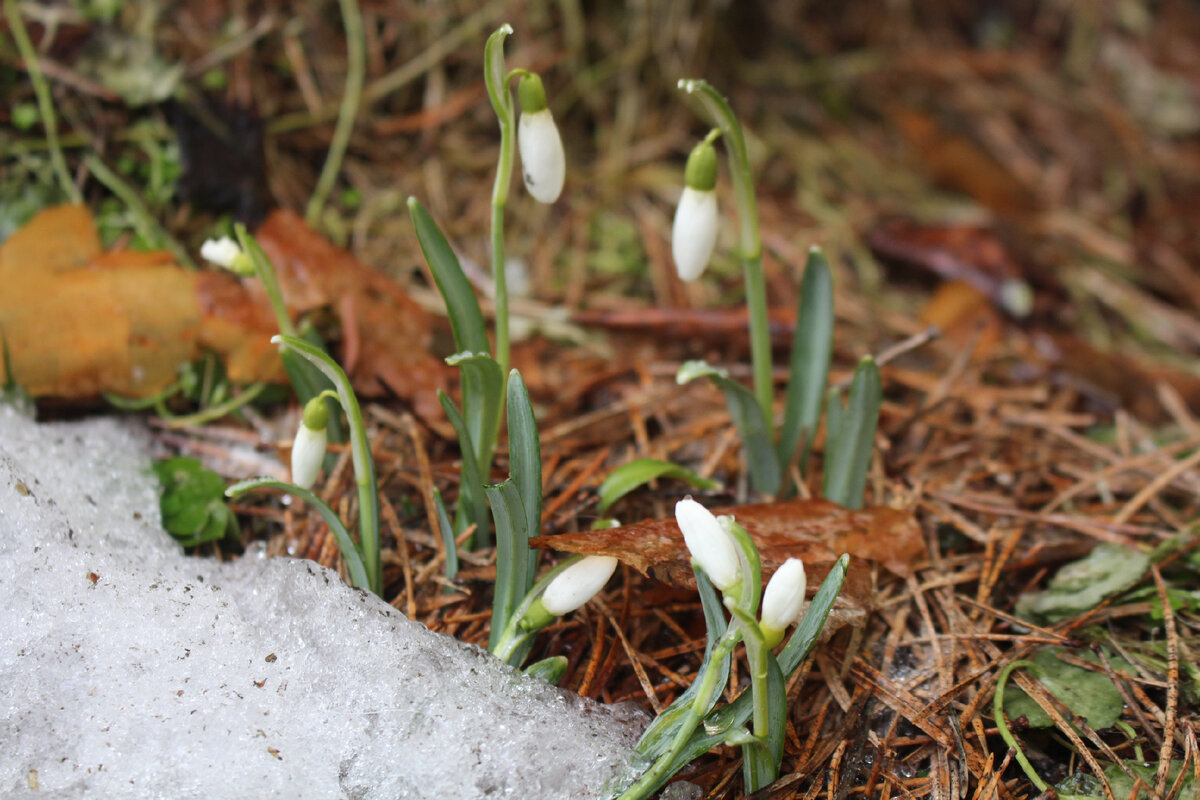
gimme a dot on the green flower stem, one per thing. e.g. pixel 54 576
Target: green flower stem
pixel 270 281
pixel 711 683
pixel 45 103
pixel 360 451
pixel 756 654
pixel 356 70
pixel 750 242
pixel 496 79
pixel 1002 724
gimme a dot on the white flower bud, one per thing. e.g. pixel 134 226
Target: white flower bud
pixel 221 251
pixel 783 600
pixel 308 451
pixel 695 232
pixel 543 163
pixel 711 547
pixel 577 584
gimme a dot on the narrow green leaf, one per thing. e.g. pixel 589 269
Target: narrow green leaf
pixel 846 465
pixel 466 320
pixel 627 477
pixel 447 530
pixel 812 350
pixel 659 734
pixel 751 424
pixel 525 466
pixel 350 552
pixel 512 562
pixel 483 398
pixel 470 488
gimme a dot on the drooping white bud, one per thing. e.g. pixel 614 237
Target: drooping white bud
pixel 694 234
pixel 711 547
pixel 577 584
pixel 543 162
pixel 308 450
pixel 783 600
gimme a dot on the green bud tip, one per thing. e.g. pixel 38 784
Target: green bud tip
pixel 531 94
pixel 316 414
pixel 701 171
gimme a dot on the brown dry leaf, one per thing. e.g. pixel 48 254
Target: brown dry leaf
pixel 965 317
pixel 815 531
pixel 78 322
pixel 387 334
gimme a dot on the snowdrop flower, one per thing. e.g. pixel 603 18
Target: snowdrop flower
pixel 695 232
pixel 783 600
pixel 577 584
pixel 225 253
pixel 308 450
pixel 711 547
pixel 543 163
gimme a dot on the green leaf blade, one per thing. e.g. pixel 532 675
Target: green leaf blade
pixel 627 477
pixel 765 474
pixel 848 457
pixel 512 562
pixel 525 465
pixel 350 552
pixel 812 352
pixel 462 306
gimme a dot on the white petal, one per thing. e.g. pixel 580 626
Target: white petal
pixel 221 251
pixel 577 584
pixel 695 233
pixel 543 162
pixel 711 547
pixel 308 451
pixel 784 596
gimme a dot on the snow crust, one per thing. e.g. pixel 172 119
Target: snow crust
pixel 128 669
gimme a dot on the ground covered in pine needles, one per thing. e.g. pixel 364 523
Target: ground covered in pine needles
pixel 1009 195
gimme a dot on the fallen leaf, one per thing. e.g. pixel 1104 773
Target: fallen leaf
pixel 965 317
pixel 815 531
pixel 1084 584
pixel 1088 693
pixel 387 335
pixel 77 321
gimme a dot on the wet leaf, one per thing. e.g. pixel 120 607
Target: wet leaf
pixel 1082 585
pixel 1088 694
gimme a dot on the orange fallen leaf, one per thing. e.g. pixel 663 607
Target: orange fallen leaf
pixel 815 531
pixel 77 321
